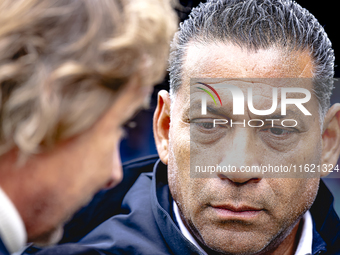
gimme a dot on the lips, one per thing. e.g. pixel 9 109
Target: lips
pixel 233 212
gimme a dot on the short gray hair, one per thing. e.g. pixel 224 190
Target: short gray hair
pixel 257 24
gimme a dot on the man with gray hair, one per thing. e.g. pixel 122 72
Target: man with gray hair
pixel 71 74
pixel 254 47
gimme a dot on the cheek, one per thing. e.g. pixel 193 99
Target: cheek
pixel 179 155
pixel 102 160
pixel 307 153
pixel 184 189
pixel 292 196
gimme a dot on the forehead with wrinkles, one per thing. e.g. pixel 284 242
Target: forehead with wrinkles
pixel 220 60
pixel 223 60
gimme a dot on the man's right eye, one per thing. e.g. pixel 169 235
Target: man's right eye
pixel 206 125
pixel 204 131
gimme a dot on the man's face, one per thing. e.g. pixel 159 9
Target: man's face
pixel 67 177
pixel 242 213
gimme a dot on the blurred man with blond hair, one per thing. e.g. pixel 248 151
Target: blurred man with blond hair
pixel 231 51
pixel 71 73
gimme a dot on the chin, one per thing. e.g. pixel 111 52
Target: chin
pixel 50 238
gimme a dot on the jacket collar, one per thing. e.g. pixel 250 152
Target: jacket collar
pixel 3 250
pixel 162 210
pixel 326 228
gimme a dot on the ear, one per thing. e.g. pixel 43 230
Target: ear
pixel 161 125
pixel 331 137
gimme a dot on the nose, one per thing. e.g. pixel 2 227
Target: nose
pixel 243 157
pixel 240 178
pixel 116 171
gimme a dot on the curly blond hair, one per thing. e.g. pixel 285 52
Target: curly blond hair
pixel 63 61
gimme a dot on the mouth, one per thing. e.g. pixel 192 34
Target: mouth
pixel 230 212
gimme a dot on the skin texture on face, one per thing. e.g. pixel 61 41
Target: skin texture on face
pixel 59 182
pixel 277 204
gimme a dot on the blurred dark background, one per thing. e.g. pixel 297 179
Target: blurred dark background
pixel 139 141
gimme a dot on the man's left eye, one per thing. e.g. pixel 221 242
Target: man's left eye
pixel 279 131
pixel 276 131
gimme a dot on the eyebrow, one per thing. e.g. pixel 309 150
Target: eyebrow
pixel 220 111
pixel 290 113
pixel 275 116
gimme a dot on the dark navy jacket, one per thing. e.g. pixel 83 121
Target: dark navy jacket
pixel 144 223
pixel 3 250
